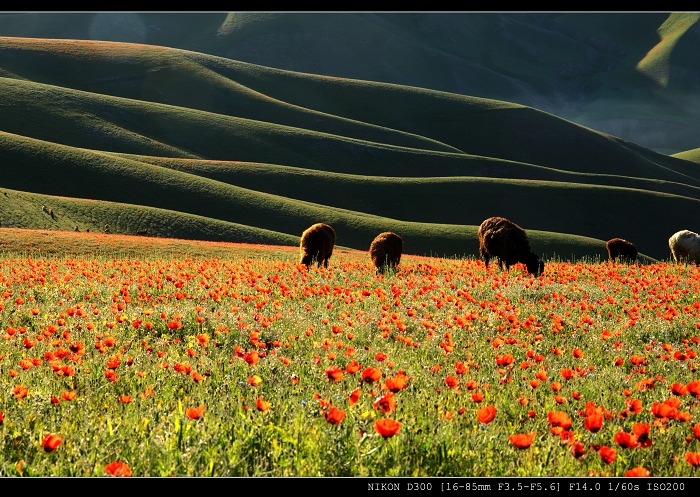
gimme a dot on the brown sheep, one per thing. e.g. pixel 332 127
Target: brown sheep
pixel 316 244
pixel 621 250
pixel 501 238
pixel 385 251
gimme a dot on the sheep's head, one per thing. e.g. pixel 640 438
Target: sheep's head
pixel 535 264
pixel 307 259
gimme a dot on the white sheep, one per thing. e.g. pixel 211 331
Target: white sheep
pixel 685 246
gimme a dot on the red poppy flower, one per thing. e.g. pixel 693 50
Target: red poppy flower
pixel 66 395
pixel 251 357
pixel 387 427
pixel 559 418
pixel 634 405
pixel 693 458
pixel 452 381
pixel 679 389
pixel 385 403
pixel 125 399
pixel 20 392
pixel 397 382
pixel 577 353
pixel 195 412
pixel 262 405
pixel 567 374
pixel 1 417
pixel 593 422
pixel 694 388
pixel 255 380
pixel 50 442
pixel 118 468
pixel 335 415
pixel 477 397
pixel 663 410
pixel 522 440
pixel 696 428
pixel 334 373
pixel 638 471
pixel 352 367
pixel 607 454
pixel 578 450
pixel 355 396
pixel 486 414
pixel 504 360
pixel 625 440
pixel 370 375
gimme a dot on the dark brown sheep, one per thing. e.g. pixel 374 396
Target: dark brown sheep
pixel 505 240
pixel 621 250
pixel 316 244
pixel 385 251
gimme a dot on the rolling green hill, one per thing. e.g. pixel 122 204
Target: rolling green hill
pixel 190 145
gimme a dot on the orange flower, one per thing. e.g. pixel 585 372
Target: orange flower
pixel 352 367
pixel 262 405
pixel 578 450
pixel 125 399
pixel 397 382
pixel 693 458
pixel 387 427
pixel 522 440
pixel 486 414
pixel 607 454
pixel 679 389
pixel 625 440
pixel 385 403
pixel 334 373
pixel 593 422
pixel 118 468
pixel 477 397
pixel 641 431
pixel 559 418
pixel 195 412
pixel 504 360
pixel 355 396
pixel 251 358
pixel 370 375
pixel 66 395
pixel 50 442
pixel 335 415
pixel 638 471
pixel 452 381
pixel 255 380
pixel 20 392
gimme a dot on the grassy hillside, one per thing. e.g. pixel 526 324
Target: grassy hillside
pixel 629 74
pixel 190 145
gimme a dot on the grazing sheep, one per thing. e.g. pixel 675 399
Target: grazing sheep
pixel 501 238
pixel 106 229
pixel 316 244
pixel 685 246
pixel 142 233
pixel 620 249
pixel 385 251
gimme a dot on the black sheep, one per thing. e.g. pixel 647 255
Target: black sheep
pixel 505 240
pixel 620 249
pixel 317 244
pixel 385 251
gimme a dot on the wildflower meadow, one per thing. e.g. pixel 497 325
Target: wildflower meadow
pixel 254 365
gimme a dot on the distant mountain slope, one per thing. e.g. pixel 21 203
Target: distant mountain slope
pixel 629 74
